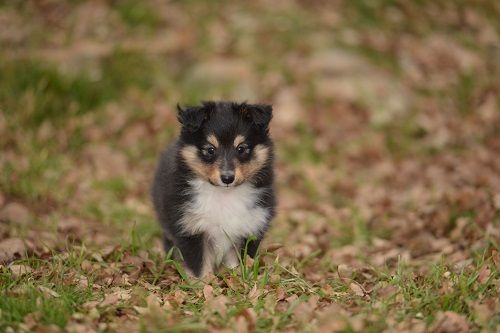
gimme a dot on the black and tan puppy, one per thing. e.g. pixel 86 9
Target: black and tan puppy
pixel 213 188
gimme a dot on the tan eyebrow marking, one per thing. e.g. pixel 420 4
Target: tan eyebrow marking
pixel 213 140
pixel 246 171
pixel 238 140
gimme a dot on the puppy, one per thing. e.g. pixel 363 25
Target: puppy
pixel 213 188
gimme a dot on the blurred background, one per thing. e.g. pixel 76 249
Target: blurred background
pixel 386 121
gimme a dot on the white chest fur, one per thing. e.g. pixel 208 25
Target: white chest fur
pixel 224 215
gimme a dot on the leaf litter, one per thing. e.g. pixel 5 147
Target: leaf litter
pixel 387 169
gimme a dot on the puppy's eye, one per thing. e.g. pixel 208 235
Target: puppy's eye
pixel 209 151
pixel 243 149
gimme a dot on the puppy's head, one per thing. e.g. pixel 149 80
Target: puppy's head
pixel 226 144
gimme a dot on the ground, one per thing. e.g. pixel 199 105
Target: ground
pixel 387 131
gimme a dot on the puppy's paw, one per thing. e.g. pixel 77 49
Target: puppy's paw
pixel 231 260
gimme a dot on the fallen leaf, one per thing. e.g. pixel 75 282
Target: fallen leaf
pixel 19 270
pixel 241 325
pixel 178 296
pixel 15 213
pixel 48 292
pixel 208 292
pixel 31 320
pixel 250 318
pixel 141 310
pixel 484 274
pixel 356 288
pixel 82 281
pixel 116 297
pixel 484 311
pixel 303 311
pixel 292 298
pixel 496 258
pixel 153 301
pixel 345 272
pixel 74 327
pixel 449 322
pixel 274 247
pixel 10 248
pixel 219 304
pixel 90 305
pixel 86 266
pixel 330 319
pixel 71 227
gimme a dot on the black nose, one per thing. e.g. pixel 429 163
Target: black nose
pixel 227 179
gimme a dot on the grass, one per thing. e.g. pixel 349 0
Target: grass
pixel 380 226
pixel 137 14
pixel 36 92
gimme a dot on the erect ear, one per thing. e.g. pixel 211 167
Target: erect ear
pixel 259 114
pixel 192 117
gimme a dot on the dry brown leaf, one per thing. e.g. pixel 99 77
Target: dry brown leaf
pixel 141 310
pixel 178 296
pixel 387 291
pixel 48 292
pixel 241 325
pixel 97 257
pixel 274 247
pixel 71 227
pixel 253 293
pixel 450 322
pixel 275 278
pixel 19 270
pixel 153 301
pixel 330 319
pixel 31 320
pixel 232 283
pixel 11 248
pixel 357 289
pixel 82 281
pixel 357 322
pixel 86 266
pixel 149 286
pixel 116 297
pixel 15 213
pixel 345 271
pixel 250 318
pixel 108 250
pixel 90 305
pixel 484 311
pixel 208 292
pixel 303 311
pixel 292 298
pixel 74 327
pixel 219 304
pixel 496 258
pixel 484 274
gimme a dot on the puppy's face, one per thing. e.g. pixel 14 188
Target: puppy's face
pixel 226 144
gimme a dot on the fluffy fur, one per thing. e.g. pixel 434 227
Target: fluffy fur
pixel 213 188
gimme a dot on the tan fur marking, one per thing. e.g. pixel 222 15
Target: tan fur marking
pixel 238 140
pixel 190 156
pixel 214 175
pixel 247 170
pixel 208 172
pixel 213 140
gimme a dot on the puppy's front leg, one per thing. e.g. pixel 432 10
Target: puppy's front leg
pixel 231 259
pixel 193 251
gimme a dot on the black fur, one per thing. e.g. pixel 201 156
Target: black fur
pixel 169 191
